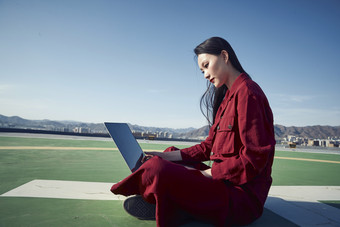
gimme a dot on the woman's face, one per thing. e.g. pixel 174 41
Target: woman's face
pixel 214 68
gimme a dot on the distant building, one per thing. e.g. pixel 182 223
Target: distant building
pixel 84 130
pixel 313 142
pixel 291 138
pixel 137 134
pixel 81 130
pixel 333 145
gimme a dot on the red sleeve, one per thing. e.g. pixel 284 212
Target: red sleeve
pixel 256 138
pixel 199 152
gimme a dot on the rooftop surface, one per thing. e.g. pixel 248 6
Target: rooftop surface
pixel 65 181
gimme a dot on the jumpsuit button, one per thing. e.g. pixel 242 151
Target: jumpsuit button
pixel 230 126
pixel 218 127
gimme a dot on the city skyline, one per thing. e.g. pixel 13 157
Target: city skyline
pixel 45 126
pixel 119 61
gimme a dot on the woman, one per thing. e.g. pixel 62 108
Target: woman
pixel 240 143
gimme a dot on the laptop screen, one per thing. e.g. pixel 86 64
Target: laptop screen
pixel 126 143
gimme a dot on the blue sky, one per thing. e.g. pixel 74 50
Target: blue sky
pixel 133 61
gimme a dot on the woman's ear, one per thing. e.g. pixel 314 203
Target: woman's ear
pixel 225 56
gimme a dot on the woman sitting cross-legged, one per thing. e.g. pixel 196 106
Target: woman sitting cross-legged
pixel 240 144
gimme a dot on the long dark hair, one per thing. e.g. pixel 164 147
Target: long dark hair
pixel 213 97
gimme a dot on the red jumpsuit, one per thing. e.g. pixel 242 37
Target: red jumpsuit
pixel 241 143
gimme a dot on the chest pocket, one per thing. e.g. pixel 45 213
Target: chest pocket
pixel 226 124
pixel 225 137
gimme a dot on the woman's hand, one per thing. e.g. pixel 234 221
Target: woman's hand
pixel 147 157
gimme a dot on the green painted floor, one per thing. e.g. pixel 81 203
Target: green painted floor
pixel 19 166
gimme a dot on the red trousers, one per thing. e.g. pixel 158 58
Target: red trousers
pixel 177 190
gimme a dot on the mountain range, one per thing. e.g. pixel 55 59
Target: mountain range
pixel 18 122
pixel 312 132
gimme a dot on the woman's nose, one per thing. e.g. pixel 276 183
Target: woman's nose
pixel 206 75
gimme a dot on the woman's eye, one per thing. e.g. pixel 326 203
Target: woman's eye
pixel 206 65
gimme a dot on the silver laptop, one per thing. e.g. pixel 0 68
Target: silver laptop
pixel 126 143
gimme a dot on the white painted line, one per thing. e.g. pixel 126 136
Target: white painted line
pixel 65 190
